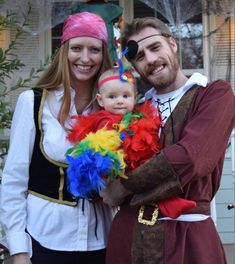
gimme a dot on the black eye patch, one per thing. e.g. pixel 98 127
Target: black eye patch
pixel 132 45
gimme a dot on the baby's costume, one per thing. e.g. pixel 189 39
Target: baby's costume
pixel 106 145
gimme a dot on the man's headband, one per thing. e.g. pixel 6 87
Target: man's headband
pixel 133 46
pixel 84 24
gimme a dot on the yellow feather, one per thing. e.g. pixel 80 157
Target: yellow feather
pixel 104 139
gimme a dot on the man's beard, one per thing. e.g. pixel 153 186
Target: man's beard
pixel 161 83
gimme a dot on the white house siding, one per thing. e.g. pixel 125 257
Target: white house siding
pixel 223 55
pixel 225 196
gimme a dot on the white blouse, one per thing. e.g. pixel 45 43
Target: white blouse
pixel 54 226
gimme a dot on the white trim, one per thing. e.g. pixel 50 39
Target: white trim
pixel 206 46
pixel 45 47
pixel 128 9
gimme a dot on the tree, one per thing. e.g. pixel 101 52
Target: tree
pixel 9 65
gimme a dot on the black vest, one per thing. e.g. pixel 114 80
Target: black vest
pixel 47 177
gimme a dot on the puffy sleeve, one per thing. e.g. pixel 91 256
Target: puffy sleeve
pixel 16 173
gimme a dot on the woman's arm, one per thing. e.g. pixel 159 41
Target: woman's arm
pixel 15 175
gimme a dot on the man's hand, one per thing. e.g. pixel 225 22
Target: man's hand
pixel 115 193
pixel 21 258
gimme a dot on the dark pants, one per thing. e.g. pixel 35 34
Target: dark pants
pixel 43 255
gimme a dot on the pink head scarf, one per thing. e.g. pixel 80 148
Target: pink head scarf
pixel 84 24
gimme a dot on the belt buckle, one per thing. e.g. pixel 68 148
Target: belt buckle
pixel 148 222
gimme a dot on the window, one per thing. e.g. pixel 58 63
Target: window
pixel 189 35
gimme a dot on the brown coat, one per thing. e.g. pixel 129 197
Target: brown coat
pixel 190 166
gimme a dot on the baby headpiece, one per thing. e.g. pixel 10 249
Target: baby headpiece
pixel 124 75
pixel 84 24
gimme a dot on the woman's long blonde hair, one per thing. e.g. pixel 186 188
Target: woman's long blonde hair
pixel 58 74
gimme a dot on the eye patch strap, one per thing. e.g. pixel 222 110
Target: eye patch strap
pixel 133 46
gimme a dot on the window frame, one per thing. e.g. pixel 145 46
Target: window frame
pixel 128 14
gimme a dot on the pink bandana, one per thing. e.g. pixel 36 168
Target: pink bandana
pixel 84 24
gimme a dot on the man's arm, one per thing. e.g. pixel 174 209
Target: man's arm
pixel 156 181
pixel 202 144
pixel 115 193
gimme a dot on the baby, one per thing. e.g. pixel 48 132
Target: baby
pixel 123 128
pixel 117 94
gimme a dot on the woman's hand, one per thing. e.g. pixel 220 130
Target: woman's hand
pixel 115 193
pixel 21 258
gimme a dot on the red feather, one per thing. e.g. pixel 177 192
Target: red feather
pixel 141 140
pixel 91 123
pixel 83 126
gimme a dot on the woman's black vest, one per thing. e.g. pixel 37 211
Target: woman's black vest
pixel 47 177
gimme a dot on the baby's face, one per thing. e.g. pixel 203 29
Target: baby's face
pixel 117 97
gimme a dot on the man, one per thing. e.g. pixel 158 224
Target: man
pixel 198 119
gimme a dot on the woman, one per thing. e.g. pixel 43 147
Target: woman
pixel 43 222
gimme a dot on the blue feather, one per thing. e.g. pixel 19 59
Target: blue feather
pixel 85 173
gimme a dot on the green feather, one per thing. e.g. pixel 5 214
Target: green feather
pixel 126 119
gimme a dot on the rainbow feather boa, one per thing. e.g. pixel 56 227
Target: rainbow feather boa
pixel 100 156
